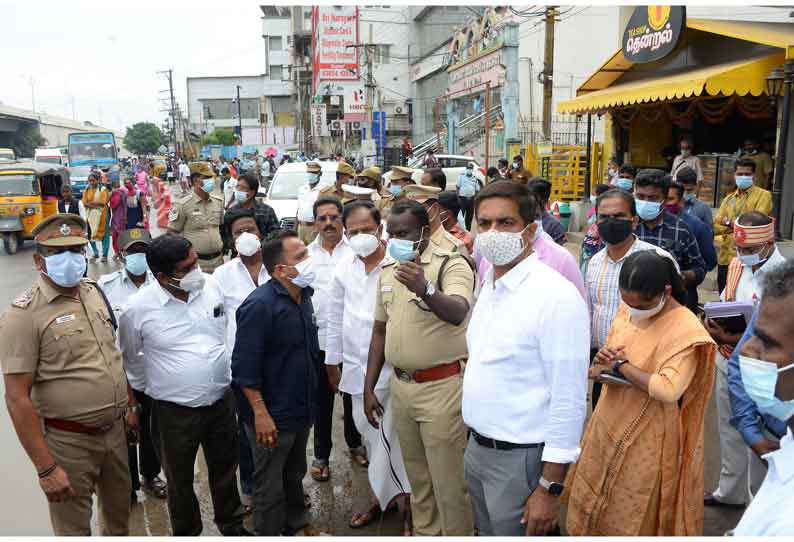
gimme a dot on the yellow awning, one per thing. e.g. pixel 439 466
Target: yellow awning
pixel 739 77
pixel 773 34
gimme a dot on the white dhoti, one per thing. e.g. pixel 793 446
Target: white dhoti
pixel 386 470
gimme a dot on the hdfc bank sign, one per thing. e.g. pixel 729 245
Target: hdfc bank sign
pixel 653 32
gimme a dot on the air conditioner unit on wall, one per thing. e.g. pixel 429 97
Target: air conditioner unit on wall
pixel 398 110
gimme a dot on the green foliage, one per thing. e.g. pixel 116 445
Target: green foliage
pixel 143 138
pixel 219 136
pixel 26 139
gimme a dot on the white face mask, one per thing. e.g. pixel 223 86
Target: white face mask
pixel 644 314
pixel 191 283
pixel 364 244
pixel 501 247
pixel 247 244
pixel 306 274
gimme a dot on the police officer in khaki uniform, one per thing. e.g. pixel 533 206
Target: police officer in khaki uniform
pixel 344 174
pixel 401 177
pixel 306 198
pixel 421 312
pixel 382 198
pixel 66 390
pixel 199 216
pixel 439 236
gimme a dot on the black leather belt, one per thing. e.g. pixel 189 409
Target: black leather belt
pixel 500 444
pixel 210 256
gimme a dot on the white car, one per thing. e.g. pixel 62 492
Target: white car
pixel 282 194
pixel 453 165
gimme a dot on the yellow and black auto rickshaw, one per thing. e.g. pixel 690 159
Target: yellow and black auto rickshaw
pixel 28 194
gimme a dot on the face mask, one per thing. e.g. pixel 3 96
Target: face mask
pixel 690 198
pixel 612 172
pixel 135 264
pixel 624 184
pixel 760 380
pixel 501 247
pixel 209 185
pixel 396 190
pixel 66 269
pixel 644 314
pixel 743 182
pixel 191 283
pixel 685 152
pixel 648 210
pixel 469 173
pixel 516 165
pixel 363 244
pixel 749 260
pixel 306 274
pixel 247 244
pixel 672 208
pixel 614 230
pixel 241 197
pixel 593 198
pixel 312 178
pixel 402 250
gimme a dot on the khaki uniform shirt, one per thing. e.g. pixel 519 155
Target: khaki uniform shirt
pixel 445 241
pixel 199 222
pixel 69 345
pixel 763 167
pixel 337 193
pixel 415 337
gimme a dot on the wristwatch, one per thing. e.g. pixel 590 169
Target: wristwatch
pixel 553 488
pixel 616 367
pixel 430 289
pixel 134 408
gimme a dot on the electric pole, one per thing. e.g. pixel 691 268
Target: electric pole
pixel 32 83
pixel 239 116
pixel 172 109
pixel 548 70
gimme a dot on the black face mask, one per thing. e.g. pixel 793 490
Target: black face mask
pixel 614 230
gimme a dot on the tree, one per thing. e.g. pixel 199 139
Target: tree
pixel 219 136
pixel 143 138
pixel 26 139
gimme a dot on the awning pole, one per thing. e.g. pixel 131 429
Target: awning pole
pixel 589 155
pixel 780 162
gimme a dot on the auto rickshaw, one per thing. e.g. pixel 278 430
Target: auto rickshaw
pixel 29 193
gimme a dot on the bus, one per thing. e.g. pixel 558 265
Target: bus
pixel 95 149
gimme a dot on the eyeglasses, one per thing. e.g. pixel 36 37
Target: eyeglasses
pixel 328 218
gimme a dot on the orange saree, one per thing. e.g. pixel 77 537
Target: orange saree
pixel 641 467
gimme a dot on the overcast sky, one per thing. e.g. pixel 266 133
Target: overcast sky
pixel 105 55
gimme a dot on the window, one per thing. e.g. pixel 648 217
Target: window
pixel 227 109
pixel 275 43
pixel 382 54
pixel 276 72
pixel 281 104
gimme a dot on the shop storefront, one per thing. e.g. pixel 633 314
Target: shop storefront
pixel 712 81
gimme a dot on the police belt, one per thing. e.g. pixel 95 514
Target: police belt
pixel 76 427
pixel 439 372
pixel 210 256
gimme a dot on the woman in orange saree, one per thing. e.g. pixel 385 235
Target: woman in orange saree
pixel 641 467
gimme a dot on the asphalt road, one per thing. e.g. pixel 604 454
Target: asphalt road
pixel 23 509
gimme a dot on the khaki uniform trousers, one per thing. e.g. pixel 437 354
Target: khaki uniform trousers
pixel 306 233
pixel 209 266
pixel 429 423
pixel 95 464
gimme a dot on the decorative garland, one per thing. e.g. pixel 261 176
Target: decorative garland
pixel 713 110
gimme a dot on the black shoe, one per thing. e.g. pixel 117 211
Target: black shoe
pixel 237 531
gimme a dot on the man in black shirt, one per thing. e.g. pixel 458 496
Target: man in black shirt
pixel 276 367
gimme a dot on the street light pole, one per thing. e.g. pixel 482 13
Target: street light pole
pixel 780 162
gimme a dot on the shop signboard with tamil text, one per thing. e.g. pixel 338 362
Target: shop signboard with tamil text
pixel 472 76
pixel 653 32
pixel 336 37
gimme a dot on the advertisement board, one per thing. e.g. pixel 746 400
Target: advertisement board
pixel 319 122
pixel 472 76
pixel 355 99
pixel 336 34
pixel 653 32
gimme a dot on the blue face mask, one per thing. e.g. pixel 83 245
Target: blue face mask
pixel 760 380
pixel 209 185
pixel 648 210
pixel 135 264
pixel 396 190
pixel 690 198
pixel 241 197
pixel 743 182
pixel 66 269
pixel 402 250
pixel 624 184
pixel 312 178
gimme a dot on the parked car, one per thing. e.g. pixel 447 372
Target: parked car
pixel 50 156
pixel 453 165
pixel 282 194
pixel 7 155
pixel 78 178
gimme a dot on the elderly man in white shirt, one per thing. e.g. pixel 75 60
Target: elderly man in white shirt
pixel 766 361
pixel 118 287
pixel 238 278
pixel 350 313
pixel 525 385
pixel 172 336
pixel 327 252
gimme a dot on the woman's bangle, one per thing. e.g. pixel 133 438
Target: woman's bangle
pixel 49 470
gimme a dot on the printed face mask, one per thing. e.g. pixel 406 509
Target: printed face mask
pixel 501 247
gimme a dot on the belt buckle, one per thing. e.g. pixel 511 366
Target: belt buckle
pixel 404 376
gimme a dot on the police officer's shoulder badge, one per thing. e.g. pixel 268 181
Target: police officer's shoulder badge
pixel 173 214
pixel 23 300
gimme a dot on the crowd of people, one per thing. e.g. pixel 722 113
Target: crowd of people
pixel 460 334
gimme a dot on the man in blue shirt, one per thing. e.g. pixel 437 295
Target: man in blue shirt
pixel 276 366
pixel 692 205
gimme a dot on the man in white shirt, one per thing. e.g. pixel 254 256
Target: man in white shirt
pixel 172 336
pixel 184 173
pixel 229 186
pixel 350 315
pixel 118 287
pixel 766 362
pixel 525 385
pixel 307 195
pixel 757 255
pixel 238 278
pixel 327 251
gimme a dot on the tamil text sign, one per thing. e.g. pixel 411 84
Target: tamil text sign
pixel 653 32
pixel 472 76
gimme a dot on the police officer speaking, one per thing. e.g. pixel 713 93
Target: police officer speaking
pixel 66 389
pixel 198 217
